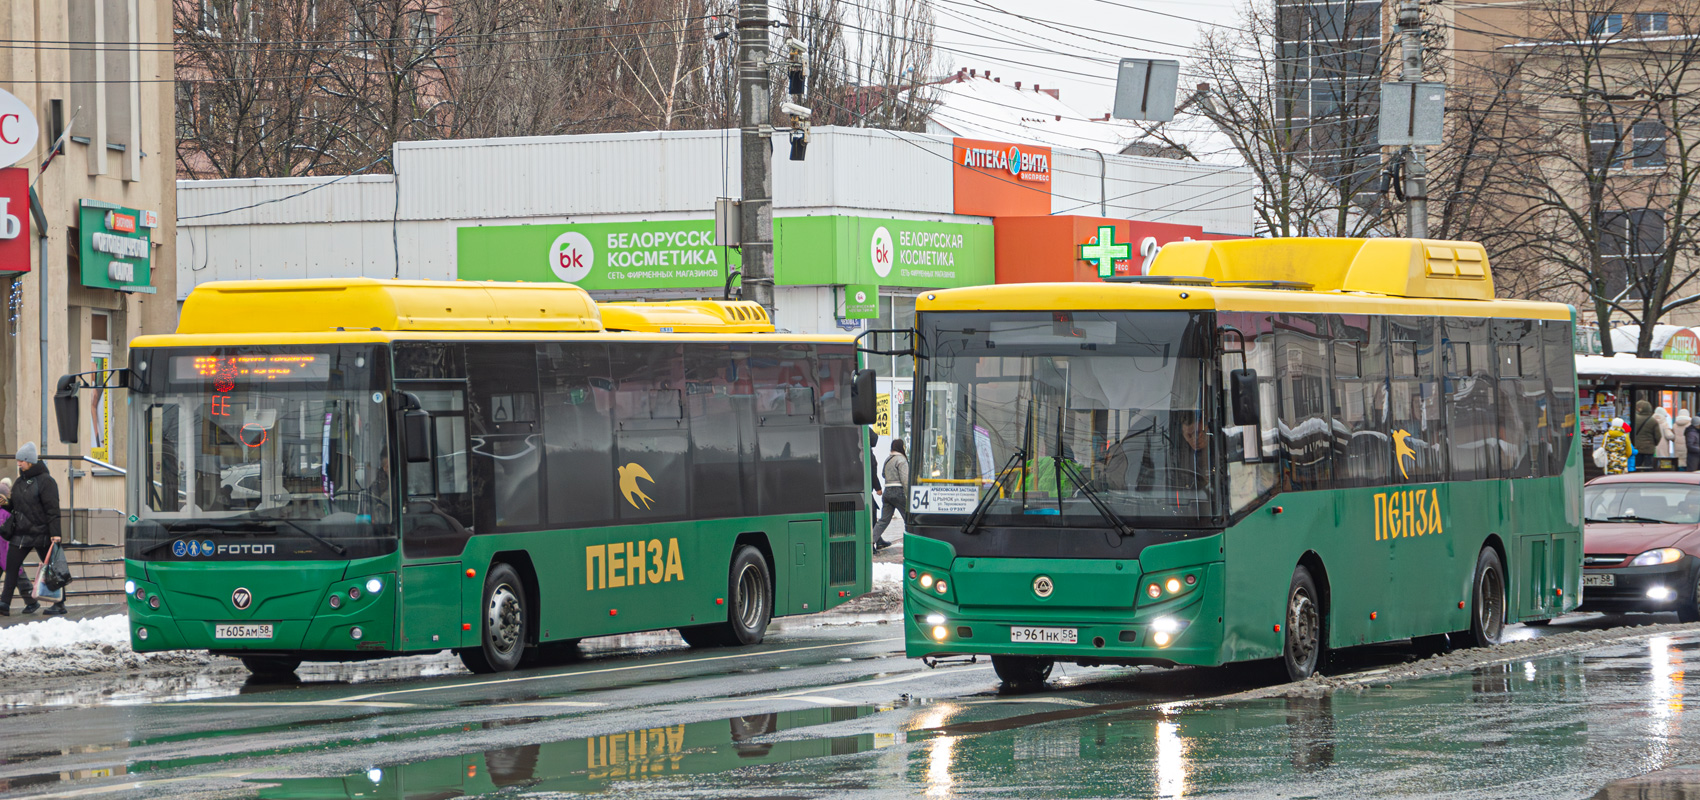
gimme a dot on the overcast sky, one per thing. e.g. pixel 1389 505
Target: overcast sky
pixel 1071 44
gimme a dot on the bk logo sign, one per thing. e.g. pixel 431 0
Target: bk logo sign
pixel 881 251
pixel 571 257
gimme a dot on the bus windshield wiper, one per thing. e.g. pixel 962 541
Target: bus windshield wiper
pixel 986 499
pixel 1633 518
pixel 336 548
pixel 1093 497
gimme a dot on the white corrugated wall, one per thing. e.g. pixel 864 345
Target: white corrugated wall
pixel 340 227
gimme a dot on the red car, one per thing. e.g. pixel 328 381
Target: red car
pixel 1641 543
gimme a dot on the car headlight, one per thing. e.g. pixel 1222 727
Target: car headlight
pixel 1653 558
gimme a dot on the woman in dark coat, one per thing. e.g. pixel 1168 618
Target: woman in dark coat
pixel 33 526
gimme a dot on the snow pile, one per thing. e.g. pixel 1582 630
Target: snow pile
pixel 57 632
pixel 888 573
pixel 57 647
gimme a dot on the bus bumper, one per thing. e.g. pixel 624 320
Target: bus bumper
pixel 190 611
pixel 1181 627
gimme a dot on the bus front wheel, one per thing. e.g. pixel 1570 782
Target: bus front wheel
pixel 749 607
pixel 1487 603
pixel 503 620
pixel 1301 651
pixel 1022 672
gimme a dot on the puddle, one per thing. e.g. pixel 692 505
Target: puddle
pixel 592 764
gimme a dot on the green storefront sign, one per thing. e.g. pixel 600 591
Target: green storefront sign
pixel 886 252
pixel 115 246
pixel 681 253
pixel 601 255
pixel 861 301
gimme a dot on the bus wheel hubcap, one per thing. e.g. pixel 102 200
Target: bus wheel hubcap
pixel 1301 627
pixel 504 619
pixel 749 597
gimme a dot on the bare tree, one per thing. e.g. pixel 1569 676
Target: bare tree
pixel 247 97
pixel 1610 100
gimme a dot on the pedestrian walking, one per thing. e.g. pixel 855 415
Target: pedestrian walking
pixel 32 526
pixel 1679 438
pixel 896 474
pixel 1644 435
pixel 1692 436
pixel 873 469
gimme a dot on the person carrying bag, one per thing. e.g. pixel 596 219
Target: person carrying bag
pixel 33 526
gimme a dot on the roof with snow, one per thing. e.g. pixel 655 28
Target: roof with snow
pixel 1626 366
pixel 977 106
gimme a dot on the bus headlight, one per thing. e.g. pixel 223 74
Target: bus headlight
pixel 374 585
pixel 1161 638
pixel 935 619
pixel 926 580
pixel 1165 624
pixel 939 633
pixel 129 587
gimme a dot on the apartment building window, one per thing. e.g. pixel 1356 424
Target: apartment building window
pixel 1647 144
pixel 1605 145
pixel 1652 22
pixel 1631 243
pixel 1605 24
pixel 185 111
pixel 209 15
pixel 425 27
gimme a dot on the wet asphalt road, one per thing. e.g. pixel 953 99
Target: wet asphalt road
pixel 837 711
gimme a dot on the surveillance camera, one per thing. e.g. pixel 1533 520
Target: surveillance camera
pixel 794 44
pixel 796 110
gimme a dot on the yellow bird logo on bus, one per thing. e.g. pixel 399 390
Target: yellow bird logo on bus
pixel 1401 450
pixel 629 475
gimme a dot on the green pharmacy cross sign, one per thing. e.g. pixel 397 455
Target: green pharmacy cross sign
pixel 1106 251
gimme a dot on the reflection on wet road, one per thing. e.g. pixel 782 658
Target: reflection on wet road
pixel 831 711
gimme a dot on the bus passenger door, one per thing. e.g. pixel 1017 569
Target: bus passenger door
pixel 436 520
pixel 804 567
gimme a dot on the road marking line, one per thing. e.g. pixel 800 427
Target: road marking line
pixel 281 703
pixel 804 694
pixel 133 785
pixel 524 678
pixel 1061 701
pixel 820 701
pixel 572 703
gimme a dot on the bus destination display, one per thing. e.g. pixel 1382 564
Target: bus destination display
pixel 227 370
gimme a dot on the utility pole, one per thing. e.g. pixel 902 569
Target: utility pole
pixel 1416 171
pixel 756 213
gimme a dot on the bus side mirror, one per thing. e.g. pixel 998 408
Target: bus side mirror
pixel 1242 393
pixel 864 404
pixel 416 427
pixel 65 409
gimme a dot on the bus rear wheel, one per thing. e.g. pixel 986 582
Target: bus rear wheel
pixel 1022 673
pixel 1301 650
pixel 271 668
pixel 749 607
pixel 503 621
pixel 1487 603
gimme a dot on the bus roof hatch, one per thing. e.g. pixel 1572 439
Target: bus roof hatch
pixel 687 316
pixel 326 304
pixel 1426 268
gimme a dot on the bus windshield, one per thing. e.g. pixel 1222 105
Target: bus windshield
pixel 1063 416
pixel 265 446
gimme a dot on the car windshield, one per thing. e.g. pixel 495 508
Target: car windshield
pixel 256 442
pixel 1643 502
pixel 1055 413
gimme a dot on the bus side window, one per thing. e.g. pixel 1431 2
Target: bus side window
pixel 437 512
pixel 1249 449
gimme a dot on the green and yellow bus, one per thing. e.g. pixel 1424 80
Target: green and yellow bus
pixel 1264 448
pixel 348 469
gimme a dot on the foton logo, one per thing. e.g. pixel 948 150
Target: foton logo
pixel 1030 166
pixel 571 257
